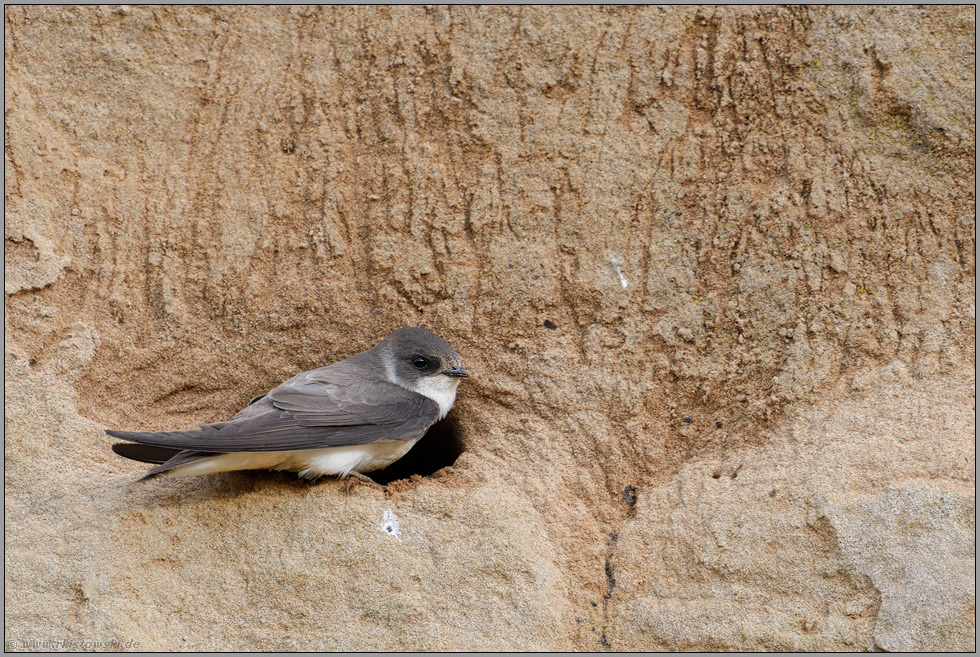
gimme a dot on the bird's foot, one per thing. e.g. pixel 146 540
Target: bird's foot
pixel 355 478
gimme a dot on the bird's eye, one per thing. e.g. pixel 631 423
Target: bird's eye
pixel 420 363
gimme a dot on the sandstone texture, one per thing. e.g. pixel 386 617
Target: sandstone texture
pixel 714 269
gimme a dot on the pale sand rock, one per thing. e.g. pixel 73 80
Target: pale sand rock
pixel 751 231
pixel 852 527
pixel 267 563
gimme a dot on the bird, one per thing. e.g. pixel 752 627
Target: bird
pixel 354 416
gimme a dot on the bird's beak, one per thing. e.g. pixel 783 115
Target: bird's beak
pixel 457 372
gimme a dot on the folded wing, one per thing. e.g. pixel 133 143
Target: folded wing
pixel 308 414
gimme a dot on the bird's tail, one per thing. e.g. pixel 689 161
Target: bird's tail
pixel 165 458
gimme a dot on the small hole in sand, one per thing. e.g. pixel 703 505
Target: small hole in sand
pixel 439 447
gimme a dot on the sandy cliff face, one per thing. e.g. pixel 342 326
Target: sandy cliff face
pixel 713 268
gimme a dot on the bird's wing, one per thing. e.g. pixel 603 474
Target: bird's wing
pixel 145 453
pixel 310 414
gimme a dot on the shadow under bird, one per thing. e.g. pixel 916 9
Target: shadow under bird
pixel 355 416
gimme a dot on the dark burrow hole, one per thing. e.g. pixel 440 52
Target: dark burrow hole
pixel 440 446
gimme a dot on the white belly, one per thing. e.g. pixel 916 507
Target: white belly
pixel 309 463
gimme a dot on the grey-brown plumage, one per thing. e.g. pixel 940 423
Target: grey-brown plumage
pixel 358 415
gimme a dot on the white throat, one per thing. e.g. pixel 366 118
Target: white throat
pixel 439 388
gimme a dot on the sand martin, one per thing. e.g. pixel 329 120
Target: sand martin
pixel 352 417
